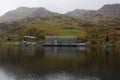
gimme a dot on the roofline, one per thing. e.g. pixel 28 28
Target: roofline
pixel 60 36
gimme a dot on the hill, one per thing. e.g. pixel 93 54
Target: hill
pixel 59 25
pixel 107 11
pixel 93 25
pixel 77 13
pixel 110 10
pixel 24 12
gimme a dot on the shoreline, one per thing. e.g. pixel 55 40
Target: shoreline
pixel 6 43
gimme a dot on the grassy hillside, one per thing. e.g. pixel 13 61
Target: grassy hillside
pixel 58 25
pixel 91 25
pixel 94 30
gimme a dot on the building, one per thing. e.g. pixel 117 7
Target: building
pixel 60 39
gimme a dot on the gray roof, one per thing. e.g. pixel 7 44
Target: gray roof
pixel 61 39
pixel 60 36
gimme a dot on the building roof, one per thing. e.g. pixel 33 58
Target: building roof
pixel 61 39
pixel 60 36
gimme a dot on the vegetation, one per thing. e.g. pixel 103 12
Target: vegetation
pixel 94 31
pixel 53 26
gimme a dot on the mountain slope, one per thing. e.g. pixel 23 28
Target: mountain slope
pixel 57 25
pixel 40 22
pixel 77 13
pixel 24 12
pixel 109 10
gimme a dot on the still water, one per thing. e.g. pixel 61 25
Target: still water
pixel 59 63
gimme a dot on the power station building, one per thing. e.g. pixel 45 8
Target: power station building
pixel 60 39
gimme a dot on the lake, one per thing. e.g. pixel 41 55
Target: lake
pixel 59 63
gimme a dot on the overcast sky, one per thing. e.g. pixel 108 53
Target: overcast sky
pixel 60 6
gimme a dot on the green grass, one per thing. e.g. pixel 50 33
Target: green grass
pixel 72 32
pixel 66 26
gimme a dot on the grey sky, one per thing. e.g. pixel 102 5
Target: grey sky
pixel 60 6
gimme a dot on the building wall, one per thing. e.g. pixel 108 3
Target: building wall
pixel 61 39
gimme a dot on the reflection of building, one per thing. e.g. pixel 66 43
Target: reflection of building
pixel 61 39
pixel 63 51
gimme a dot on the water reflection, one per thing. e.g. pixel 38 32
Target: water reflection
pixel 59 63
pixel 65 76
pixel 5 76
pixel 64 51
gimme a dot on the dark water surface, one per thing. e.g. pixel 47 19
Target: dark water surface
pixel 59 63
